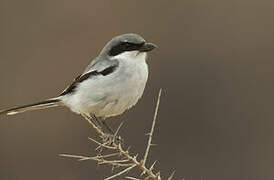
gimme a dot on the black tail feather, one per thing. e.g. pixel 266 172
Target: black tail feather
pixel 35 106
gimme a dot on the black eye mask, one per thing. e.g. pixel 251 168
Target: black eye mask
pixel 124 46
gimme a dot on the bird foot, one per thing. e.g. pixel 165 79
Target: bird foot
pixel 109 139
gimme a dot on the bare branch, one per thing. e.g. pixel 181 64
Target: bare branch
pixel 101 144
pixel 109 155
pixel 121 172
pixel 131 178
pixel 113 161
pixel 96 158
pixel 80 158
pixel 120 156
pixel 152 128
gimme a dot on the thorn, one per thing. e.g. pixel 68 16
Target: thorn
pixel 135 157
pixel 147 178
pixel 121 172
pixel 152 166
pixel 171 176
pixel 115 134
pixel 131 178
pixel 143 173
pixel 158 175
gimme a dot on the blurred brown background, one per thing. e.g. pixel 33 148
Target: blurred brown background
pixel 214 63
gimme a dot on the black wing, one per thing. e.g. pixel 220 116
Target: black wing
pixel 83 77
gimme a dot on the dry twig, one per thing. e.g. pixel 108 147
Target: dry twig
pixel 121 157
pixel 150 134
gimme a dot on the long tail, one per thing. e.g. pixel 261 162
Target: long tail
pixel 30 107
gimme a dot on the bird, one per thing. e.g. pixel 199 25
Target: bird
pixel 112 83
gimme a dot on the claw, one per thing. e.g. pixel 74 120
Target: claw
pixel 109 139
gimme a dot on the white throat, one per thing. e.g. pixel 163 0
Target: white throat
pixel 132 56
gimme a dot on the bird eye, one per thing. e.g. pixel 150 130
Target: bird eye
pixel 127 44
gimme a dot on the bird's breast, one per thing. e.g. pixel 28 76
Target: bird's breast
pixel 128 88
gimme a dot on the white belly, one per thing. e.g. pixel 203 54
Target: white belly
pixel 110 95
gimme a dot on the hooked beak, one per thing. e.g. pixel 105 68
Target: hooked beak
pixel 147 47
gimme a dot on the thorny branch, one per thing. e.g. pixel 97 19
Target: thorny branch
pixel 122 158
pixel 152 128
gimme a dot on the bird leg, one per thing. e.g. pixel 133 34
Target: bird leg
pixel 101 123
pixel 95 121
pixel 109 137
pixel 109 129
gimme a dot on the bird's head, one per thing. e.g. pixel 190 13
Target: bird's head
pixel 127 45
